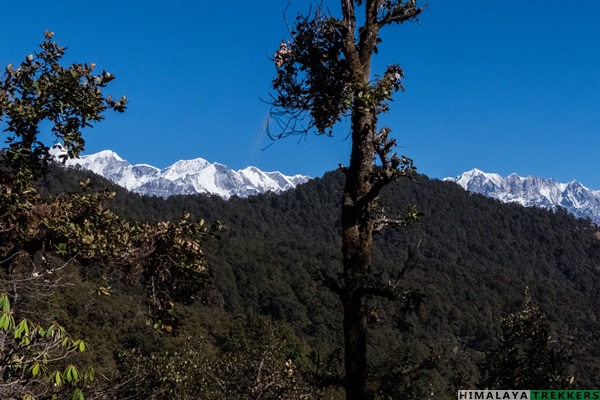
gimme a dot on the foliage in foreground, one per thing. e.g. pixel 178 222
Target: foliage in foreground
pixel 33 359
pixel 166 256
pixel 256 358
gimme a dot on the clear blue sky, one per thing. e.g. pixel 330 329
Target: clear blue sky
pixel 501 86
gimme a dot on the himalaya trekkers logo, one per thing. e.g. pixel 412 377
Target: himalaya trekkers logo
pixel 493 394
pixel 528 395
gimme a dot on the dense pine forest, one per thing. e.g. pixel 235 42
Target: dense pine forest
pixel 468 264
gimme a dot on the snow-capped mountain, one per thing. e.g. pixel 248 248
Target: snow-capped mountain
pixel 183 177
pixel 534 191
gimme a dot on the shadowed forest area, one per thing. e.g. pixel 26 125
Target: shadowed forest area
pixel 471 258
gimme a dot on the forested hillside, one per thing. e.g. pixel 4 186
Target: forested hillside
pixel 471 257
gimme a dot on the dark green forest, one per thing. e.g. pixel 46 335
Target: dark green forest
pixel 469 260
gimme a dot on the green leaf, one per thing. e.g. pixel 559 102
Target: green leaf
pixel 56 378
pixel 22 328
pixel 90 375
pixel 4 321
pixel 4 303
pixel 35 369
pixel 71 374
pixel 68 374
pixel 77 395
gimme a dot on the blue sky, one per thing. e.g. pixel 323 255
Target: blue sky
pixel 501 86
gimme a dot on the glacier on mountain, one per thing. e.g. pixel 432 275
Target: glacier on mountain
pixel 534 191
pixel 183 177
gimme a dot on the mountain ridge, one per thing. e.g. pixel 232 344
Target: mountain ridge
pixel 533 191
pixel 186 177
pixel 182 177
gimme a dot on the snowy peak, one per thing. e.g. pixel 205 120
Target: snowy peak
pixel 478 179
pixel 105 155
pixel 271 180
pixel 185 167
pixel 183 177
pixel 533 191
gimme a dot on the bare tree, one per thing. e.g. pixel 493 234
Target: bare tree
pixel 324 75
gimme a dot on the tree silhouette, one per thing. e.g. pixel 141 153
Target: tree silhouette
pixel 323 76
pixel 40 90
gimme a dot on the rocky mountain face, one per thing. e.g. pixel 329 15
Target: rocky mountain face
pixel 534 191
pixel 183 177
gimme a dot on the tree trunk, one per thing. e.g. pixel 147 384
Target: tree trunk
pixel 355 336
pixel 357 243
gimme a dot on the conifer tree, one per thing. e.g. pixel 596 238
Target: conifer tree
pixel 526 356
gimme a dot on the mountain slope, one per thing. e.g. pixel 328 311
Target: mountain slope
pixel 474 257
pixel 183 177
pixel 534 191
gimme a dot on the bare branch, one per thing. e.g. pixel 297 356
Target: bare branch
pixel 383 222
pixel 18 253
pixel 398 167
pixel 391 289
pixel 383 146
pixel 369 35
pixel 411 262
pixel 289 122
pixel 347 28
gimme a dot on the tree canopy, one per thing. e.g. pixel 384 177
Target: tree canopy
pixel 40 89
